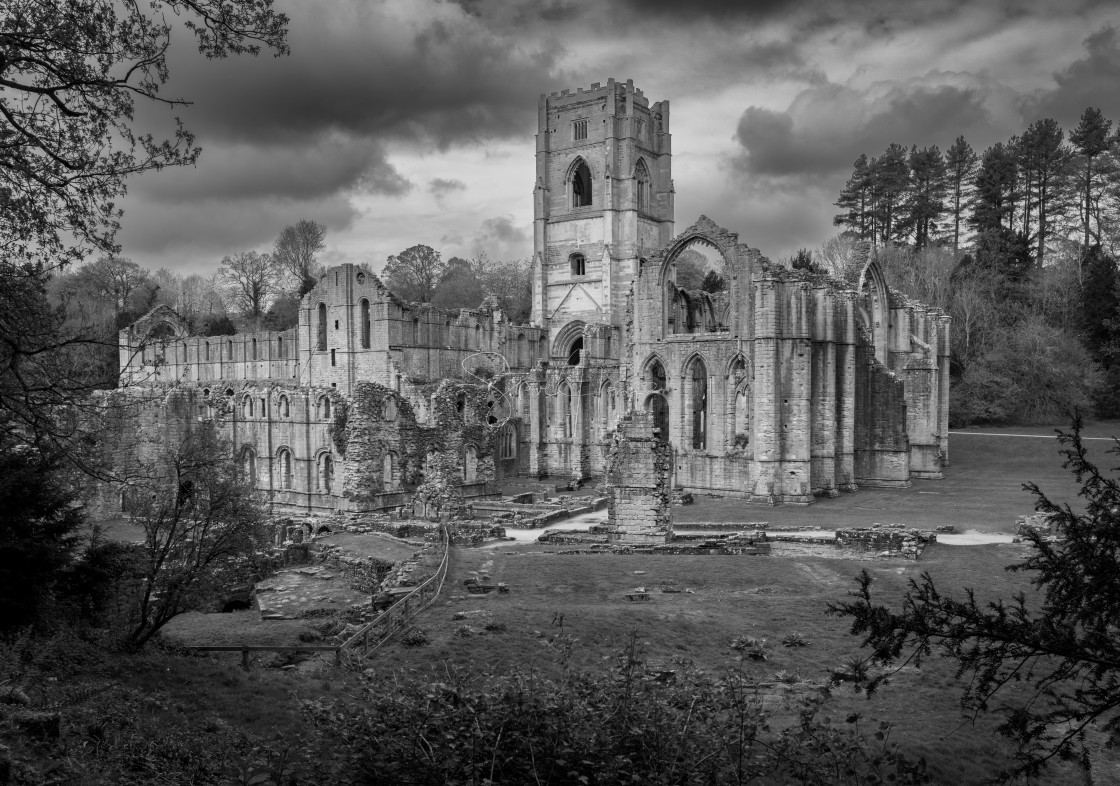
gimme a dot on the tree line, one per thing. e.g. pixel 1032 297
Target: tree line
pixel 1018 244
pixel 1048 191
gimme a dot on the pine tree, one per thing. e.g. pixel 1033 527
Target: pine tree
pixel 1091 139
pixel 995 190
pixel 1045 160
pixel 890 180
pixel 960 169
pixel 926 199
pixel 855 200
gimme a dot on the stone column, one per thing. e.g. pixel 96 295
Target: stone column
pixel 944 322
pixel 822 470
pixel 846 391
pixel 766 424
pixel 795 390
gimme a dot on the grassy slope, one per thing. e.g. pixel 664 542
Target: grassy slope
pixel 757 596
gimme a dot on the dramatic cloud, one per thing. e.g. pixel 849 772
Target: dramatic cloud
pixel 1092 81
pixel 420 71
pixel 387 114
pixel 827 127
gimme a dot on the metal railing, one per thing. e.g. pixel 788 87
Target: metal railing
pixel 396 617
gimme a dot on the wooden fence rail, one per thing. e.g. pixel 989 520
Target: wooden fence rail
pixel 394 618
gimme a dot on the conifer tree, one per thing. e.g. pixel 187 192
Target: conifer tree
pixel 1090 138
pixel 960 170
pixel 995 190
pixel 855 200
pixel 1045 160
pixel 925 202
pixel 890 179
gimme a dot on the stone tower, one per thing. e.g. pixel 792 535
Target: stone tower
pixel 603 198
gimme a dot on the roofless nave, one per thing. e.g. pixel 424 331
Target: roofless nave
pixel 778 386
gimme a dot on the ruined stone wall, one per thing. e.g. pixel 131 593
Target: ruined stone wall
pixel 638 482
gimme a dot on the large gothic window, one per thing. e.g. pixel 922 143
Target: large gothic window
pixel 581 184
pixel 641 186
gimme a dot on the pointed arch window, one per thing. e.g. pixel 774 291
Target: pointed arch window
pixel 641 186
pixel 581 184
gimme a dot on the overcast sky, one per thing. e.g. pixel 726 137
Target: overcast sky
pixel 413 121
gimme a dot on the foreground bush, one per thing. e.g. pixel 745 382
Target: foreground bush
pixel 615 726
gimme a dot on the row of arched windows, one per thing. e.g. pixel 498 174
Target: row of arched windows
pixel 695 402
pixel 225 350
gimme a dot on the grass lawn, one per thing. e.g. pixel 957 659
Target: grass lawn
pixel 372 545
pixel 730 596
pixel 235 628
pixel 982 488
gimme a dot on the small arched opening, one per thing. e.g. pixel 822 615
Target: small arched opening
pixel 325 465
pixel 321 344
pixel 284 468
pixel 390 471
pixel 363 316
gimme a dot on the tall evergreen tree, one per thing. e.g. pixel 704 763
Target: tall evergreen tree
pixel 960 169
pixel 925 202
pixel 995 190
pixel 1090 138
pixel 1046 164
pixel 855 200
pixel 890 180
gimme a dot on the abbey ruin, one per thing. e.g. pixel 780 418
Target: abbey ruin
pixel 779 386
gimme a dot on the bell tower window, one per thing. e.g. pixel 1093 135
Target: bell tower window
pixel 579 130
pixel 581 185
pixel 579 265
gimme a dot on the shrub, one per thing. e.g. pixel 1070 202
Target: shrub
pixel 609 725
pixel 415 637
pixel 795 640
pixel 495 626
pixel 755 649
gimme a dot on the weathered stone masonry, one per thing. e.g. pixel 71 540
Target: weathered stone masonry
pixel 786 386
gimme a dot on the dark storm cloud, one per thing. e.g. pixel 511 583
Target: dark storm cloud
pixel 828 126
pixel 320 168
pixel 1090 81
pixel 441 81
pixel 208 229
